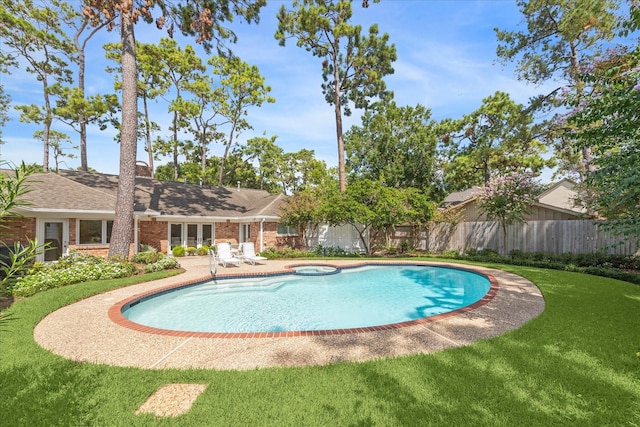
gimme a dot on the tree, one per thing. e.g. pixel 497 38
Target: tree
pixel 353 66
pixel 267 155
pixel 179 67
pixel 152 83
pixel 5 99
pixel 560 38
pixel 242 87
pixel 304 211
pixel 34 33
pixel 496 139
pixel 57 140
pixel 13 187
pixel 204 113
pixel 299 170
pixel 202 18
pixel 87 110
pixel 397 145
pixel 77 110
pixel 370 206
pixel 507 199
pixel 609 124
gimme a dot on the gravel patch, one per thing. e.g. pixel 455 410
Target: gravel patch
pixel 172 400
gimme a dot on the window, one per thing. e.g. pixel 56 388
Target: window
pixel 287 230
pixel 94 231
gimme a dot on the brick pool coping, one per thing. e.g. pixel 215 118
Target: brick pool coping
pixel 116 316
pixel 85 332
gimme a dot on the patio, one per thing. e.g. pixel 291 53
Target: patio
pixel 83 331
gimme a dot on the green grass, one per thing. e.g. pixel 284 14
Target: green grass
pixel 575 364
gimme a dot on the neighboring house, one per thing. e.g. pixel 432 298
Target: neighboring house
pixel 75 210
pixel 555 203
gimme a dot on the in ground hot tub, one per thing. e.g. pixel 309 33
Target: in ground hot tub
pixel 314 270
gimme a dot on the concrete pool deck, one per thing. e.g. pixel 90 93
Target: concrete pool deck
pixel 85 332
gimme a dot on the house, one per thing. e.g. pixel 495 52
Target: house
pixel 75 210
pixel 555 203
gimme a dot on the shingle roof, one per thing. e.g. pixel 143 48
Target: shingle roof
pixel 85 191
pixel 51 192
pixel 459 197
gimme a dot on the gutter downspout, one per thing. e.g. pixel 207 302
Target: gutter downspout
pixel 135 235
pixel 261 234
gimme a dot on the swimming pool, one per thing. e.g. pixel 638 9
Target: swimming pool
pixel 346 300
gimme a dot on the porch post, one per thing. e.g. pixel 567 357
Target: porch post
pixel 261 229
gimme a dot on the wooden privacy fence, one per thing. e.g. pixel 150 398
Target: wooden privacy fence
pixel 556 237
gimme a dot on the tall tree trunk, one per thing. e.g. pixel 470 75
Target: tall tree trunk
pixel 147 131
pixel 338 112
pixel 81 117
pixel 82 63
pixel 175 146
pixel 203 160
pixel 226 153
pixel 47 124
pixel 123 221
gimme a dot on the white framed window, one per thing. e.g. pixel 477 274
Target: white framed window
pixel 94 231
pixel 287 230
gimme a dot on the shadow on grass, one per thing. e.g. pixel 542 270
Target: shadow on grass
pixel 575 364
pixel 58 393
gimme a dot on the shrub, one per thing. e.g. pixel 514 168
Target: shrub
pixel 203 250
pixel 273 253
pixel 599 264
pixel 70 270
pixel 163 263
pixel 148 257
pixel 451 254
pixel 191 250
pixel 178 251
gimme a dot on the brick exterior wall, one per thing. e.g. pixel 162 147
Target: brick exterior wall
pixel 154 233
pixel 18 230
pixel 269 231
pixel 227 231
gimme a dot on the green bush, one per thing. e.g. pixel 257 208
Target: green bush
pixel 163 263
pixel 69 270
pixel 599 264
pixel 178 251
pixel 274 253
pixel 147 257
pixel 191 250
pixel 328 251
pixel 451 254
pixel 203 250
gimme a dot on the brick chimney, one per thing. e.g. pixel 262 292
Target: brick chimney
pixel 143 169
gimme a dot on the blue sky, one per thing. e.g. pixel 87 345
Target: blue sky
pixel 446 62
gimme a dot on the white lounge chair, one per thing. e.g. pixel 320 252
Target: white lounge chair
pixel 249 253
pixel 223 251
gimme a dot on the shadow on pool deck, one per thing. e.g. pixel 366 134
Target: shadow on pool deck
pixel 83 331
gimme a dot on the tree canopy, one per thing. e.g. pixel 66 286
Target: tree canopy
pixel 353 65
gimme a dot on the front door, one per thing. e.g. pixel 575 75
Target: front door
pixel 54 233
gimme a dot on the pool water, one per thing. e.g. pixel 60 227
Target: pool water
pixel 353 298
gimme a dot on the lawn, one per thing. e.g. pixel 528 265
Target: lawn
pixel 575 364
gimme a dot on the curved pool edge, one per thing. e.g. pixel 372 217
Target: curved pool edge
pixel 83 332
pixel 116 316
